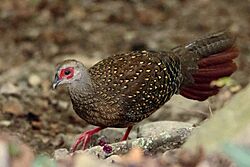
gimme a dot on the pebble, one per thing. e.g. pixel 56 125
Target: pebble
pixel 13 106
pixel 32 33
pixel 63 104
pixel 58 140
pixel 34 80
pixel 61 153
pixel 5 123
pixel 9 89
pixel 45 140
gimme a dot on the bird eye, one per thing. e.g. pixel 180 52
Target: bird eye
pixel 67 72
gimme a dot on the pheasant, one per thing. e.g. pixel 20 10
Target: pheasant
pixel 126 88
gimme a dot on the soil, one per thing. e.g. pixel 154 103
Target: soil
pixel 37 34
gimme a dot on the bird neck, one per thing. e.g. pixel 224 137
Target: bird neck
pixel 82 85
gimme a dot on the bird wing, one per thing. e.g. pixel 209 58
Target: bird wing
pixel 138 81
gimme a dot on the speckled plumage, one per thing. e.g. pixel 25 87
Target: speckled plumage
pixel 128 87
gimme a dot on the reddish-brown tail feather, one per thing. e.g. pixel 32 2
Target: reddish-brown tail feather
pixel 210 68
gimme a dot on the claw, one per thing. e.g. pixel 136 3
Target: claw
pixel 84 138
pixel 86 141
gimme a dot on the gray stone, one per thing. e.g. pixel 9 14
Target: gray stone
pixel 155 128
pixel 9 89
pixel 13 106
pixel 61 153
pixel 5 123
pixel 34 80
pixel 63 104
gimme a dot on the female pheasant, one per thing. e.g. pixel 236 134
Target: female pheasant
pixel 123 89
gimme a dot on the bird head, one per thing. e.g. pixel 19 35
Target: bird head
pixel 67 72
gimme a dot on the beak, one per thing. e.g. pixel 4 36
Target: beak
pixel 56 81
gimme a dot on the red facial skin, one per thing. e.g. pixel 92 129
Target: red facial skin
pixel 63 73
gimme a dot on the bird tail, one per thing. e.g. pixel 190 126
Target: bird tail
pixel 204 61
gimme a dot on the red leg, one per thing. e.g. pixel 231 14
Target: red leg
pixel 127 133
pixel 84 138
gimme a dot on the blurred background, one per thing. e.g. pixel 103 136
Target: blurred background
pixel 37 34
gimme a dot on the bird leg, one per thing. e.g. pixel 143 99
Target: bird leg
pixel 126 133
pixel 84 138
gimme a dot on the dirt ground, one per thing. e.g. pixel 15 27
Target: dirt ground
pixel 37 34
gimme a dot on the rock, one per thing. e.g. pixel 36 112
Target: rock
pixel 45 140
pixel 58 140
pixel 63 104
pixel 31 33
pixel 76 13
pixel 150 145
pixel 155 128
pixel 5 123
pixel 34 80
pixel 13 106
pixel 61 153
pixel 9 89
pixel 68 139
pixel 36 124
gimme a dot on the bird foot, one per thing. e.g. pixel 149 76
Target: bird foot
pixel 126 133
pixel 84 138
